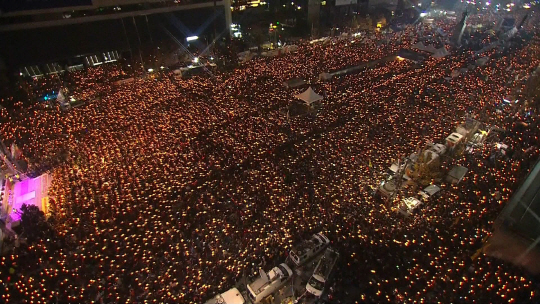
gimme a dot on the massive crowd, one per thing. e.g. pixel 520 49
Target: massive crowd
pixel 170 190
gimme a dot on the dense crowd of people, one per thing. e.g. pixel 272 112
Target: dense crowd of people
pixel 171 190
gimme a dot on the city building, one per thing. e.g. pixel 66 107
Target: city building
pixel 516 236
pixel 44 38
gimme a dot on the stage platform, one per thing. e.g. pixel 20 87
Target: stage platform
pixel 30 191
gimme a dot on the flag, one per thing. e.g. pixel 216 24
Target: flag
pixel 15 151
pixel 61 97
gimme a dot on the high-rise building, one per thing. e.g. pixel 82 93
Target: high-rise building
pixel 516 236
pixel 47 32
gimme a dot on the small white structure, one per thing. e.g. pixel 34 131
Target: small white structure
pixel 431 155
pixel 456 174
pixel 309 96
pixel 434 152
pixel 269 283
pixel 409 205
pixel 453 139
pixel 462 130
pixel 501 146
pixel 438 148
pixel 429 192
pixel 231 296
pixel 478 138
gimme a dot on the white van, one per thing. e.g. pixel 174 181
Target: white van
pixel 309 248
pixel 268 283
pixel 322 272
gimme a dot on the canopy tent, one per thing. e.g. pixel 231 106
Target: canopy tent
pixel 456 174
pixel 309 96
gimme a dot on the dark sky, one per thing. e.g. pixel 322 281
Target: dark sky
pixel 50 44
pixel 21 5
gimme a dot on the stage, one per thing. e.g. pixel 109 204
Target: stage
pixel 30 191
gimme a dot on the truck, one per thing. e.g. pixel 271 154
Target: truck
pixel 268 283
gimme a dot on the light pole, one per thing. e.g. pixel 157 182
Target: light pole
pixel 126 36
pixel 140 43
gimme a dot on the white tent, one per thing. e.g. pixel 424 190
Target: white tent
pixel 309 96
